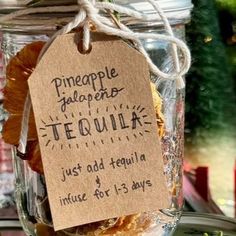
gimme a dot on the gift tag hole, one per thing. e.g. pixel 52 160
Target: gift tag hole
pixel 81 48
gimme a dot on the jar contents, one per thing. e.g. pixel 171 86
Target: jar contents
pixel 18 71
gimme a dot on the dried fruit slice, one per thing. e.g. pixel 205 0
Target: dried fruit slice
pixel 157 101
pixel 18 71
pixel 44 230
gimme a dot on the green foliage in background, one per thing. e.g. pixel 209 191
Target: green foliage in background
pixel 228 4
pixel 227 12
pixel 209 99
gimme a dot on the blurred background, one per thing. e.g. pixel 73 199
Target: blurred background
pixel 210 100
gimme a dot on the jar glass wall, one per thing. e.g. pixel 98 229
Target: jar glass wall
pixel 30 187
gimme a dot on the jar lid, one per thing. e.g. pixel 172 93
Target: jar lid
pixel 166 5
pixel 6 5
pixel 177 11
pixel 140 5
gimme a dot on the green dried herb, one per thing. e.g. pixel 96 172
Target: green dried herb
pixel 116 14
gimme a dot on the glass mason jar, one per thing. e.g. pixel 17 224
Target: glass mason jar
pixel 30 187
pixel 6 170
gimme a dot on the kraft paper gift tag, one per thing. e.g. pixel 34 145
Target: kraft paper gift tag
pixel 97 131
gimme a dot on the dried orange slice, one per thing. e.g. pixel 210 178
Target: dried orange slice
pixel 18 71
